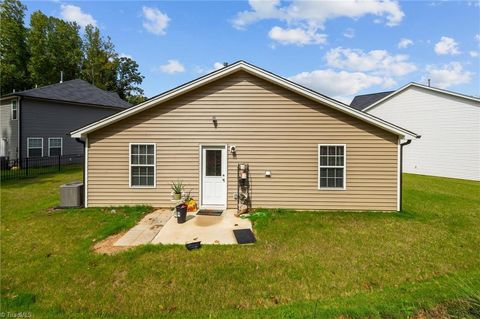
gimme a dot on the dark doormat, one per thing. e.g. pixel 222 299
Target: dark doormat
pixel 194 245
pixel 244 236
pixel 210 212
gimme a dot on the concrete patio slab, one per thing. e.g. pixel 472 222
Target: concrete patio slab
pixel 146 229
pixel 207 229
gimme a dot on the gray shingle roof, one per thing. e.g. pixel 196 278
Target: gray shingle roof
pixel 77 91
pixel 361 102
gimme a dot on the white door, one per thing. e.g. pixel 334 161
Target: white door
pixel 214 179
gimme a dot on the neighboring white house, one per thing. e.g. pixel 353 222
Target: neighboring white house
pixel 448 122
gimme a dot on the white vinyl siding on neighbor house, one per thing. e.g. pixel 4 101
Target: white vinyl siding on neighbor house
pixel 331 167
pixel 55 146
pixel 450 130
pixel 34 147
pixel 14 109
pixel 142 165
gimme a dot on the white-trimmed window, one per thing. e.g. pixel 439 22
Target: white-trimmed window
pixel 14 108
pixel 55 146
pixel 142 165
pixel 331 166
pixel 34 147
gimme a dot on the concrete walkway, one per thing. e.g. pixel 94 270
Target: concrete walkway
pixel 160 228
pixel 146 229
pixel 207 229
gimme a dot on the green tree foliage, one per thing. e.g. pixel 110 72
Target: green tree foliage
pixel 136 99
pixel 37 55
pixel 55 46
pixel 99 64
pixel 103 67
pixel 13 47
pixel 128 79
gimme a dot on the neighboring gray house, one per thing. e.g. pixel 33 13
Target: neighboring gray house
pixel 37 122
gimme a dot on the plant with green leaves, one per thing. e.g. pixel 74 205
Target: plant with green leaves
pixel 177 189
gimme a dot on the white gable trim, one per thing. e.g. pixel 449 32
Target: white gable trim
pixel 412 84
pixel 249 68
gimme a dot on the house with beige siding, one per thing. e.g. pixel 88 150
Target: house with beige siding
pixel 304 150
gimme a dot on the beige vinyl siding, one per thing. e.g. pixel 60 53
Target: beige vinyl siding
pixel 274 129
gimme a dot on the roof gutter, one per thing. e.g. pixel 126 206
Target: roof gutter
pixel 79 140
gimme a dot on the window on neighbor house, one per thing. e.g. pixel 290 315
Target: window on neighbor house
pixel 55 146
pixel 331 166
pixel 142 165
pixel 34 147
pixel 14 110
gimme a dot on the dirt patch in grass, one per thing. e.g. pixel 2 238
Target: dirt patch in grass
pixel 106 246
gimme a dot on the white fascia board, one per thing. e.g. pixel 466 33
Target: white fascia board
pixel 241 65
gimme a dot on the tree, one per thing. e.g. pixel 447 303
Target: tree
pixel 13 47
pixel 136 99
pixel 105 69
pixel 100 60
pixel 55 45
pixel 128 77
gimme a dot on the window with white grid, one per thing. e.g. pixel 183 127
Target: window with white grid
pixel 34 147
pixel 55 146
pixel 331 166
pixel 142 165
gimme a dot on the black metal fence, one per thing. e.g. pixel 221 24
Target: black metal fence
pixel 34 166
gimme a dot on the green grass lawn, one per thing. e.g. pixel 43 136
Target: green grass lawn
pixel 305 264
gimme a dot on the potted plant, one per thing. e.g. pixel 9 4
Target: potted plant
pixel 190 202
pixel 177 189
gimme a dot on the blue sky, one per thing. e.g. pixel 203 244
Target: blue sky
pixel 339 48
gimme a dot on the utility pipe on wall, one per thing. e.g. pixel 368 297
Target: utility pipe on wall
pixel 401 170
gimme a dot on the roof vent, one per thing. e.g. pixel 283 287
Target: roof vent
pixel 225 64
pixel 61 76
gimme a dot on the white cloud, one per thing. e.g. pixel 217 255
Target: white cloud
pixel 447 75
pixel 341 85
pixel 73 13
pixel 474 54
pixel 124 55
pixel 349 33
pixel 316 13
pixel 477 37
pixel 447 45
pixel 379 62
pixel 203 70
pixel 404 43
pixel 296 36
pixel 305 18
pixel 155 21
pixel 173 66
pixel 217 65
